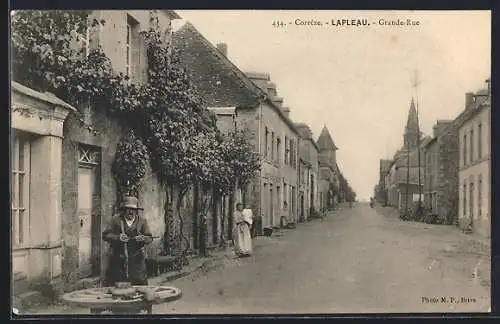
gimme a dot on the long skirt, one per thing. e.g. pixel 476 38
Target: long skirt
pixel 242 239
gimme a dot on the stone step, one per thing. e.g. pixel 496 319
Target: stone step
pixel 27 299
pixel 20 283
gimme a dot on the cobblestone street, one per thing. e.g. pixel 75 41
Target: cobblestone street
pixel 355 260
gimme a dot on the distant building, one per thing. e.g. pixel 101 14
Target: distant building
pixel 474 126
pixel 308 181
pixel 381 193
pixel 403 183
pixel 329 172
pixel 248 101
pixel 440 172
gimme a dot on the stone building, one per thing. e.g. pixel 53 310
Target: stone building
pixel 259 112
pixel 441 153
pixel 474 127
pixel 329 182
pixel 381 194
pixel 308 172
pixel 36 204
pixel 405 185
pixel 72 201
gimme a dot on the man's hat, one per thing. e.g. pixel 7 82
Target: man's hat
pixel 130 202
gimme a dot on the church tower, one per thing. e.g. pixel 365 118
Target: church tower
pixel 412 129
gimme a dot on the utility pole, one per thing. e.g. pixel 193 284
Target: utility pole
pixel 407 177
pixel 416 83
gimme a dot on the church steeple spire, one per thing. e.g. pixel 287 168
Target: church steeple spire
pixel 412 129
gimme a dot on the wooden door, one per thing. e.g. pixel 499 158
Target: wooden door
pixel 271 209
pixel 86 183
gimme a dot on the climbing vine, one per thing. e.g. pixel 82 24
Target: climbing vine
pixel 130 163
pixel 169 125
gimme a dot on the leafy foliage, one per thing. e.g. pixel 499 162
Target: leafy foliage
pixel 129 166
pixel 169 124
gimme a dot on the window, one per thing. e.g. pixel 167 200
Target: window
pixel 265 143
pixel 278 197
pixel 287 149
pixel 272 146
pixel 20 155
pixel 465 200
pixel 471 148
pixel 285 193
pixel 278 150
pixel 471 200
pixel 479 141
pixel 128 50
pixel 465 149
pixel 479 195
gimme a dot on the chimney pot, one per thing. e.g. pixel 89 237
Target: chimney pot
pixel 469 99
pixel 222 47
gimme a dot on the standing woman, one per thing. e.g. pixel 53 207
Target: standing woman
pixel 241 231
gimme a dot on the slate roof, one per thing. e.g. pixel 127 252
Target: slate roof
pixel 46 97
pixel 217 79
pixel 482 101
pixel 305 133
pixel 325 141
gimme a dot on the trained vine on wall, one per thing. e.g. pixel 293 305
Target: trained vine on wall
pixel 169 125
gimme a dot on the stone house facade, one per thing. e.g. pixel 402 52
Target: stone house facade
pixel 406 174
pixel 474 185
pixel 381 194
pixel 329 173
pixel 439 179
pixel 37 249
pixel 84 196
pixel 308 173
pixel 258 112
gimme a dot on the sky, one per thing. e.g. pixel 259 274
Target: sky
pixel 357 80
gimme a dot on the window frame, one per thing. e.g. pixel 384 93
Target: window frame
pixel 20 224
pixel 479 140
pixel 479 195
pixel 128 49
pixel 465 149
pixel 471 140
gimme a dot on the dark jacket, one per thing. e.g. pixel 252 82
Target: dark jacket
pixel 137 273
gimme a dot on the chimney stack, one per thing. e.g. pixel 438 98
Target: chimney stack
pixel 440 126
pixel 222 47
pixel 469 99
pixel 286 111
pixel 488 82
pixel 278 101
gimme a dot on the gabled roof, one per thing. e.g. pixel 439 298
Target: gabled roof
pixel 218 80
pixel 172 14
pixel 46 97
pixel 305 133
pixel 469 112
pixel 325 141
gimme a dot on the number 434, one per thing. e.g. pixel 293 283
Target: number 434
pixel 278 23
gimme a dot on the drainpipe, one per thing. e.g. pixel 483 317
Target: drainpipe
pixel 260 156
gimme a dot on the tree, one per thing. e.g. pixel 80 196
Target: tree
pixel 169 124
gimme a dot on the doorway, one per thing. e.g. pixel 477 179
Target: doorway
pixel 301 207
pixel 271 209
pixel 89 219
